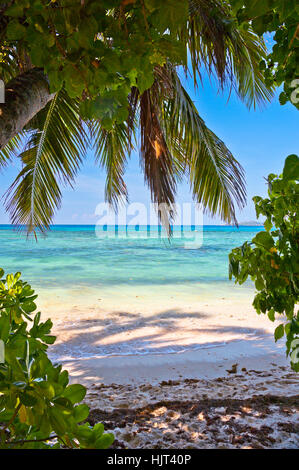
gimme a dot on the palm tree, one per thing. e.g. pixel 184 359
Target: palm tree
pixel 163 123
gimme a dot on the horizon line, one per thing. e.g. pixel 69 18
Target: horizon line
pixel 243 224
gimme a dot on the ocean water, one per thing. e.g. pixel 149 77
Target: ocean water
pixel 118 281
pixel 75 257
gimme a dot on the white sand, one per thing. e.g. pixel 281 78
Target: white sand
pixel 209 394
pixel 138 339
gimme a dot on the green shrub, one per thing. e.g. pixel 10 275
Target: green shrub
pixel 271 259
pixel 38 407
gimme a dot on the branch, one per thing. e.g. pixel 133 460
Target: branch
pixel 25 441
pixel 296 36
pixel 25 96
pixel 6 426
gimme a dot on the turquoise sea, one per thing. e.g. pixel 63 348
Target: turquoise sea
pixel 73 256
pixel 134 293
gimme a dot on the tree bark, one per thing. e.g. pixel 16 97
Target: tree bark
pixel 25 96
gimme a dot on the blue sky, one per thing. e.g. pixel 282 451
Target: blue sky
pixel 260 140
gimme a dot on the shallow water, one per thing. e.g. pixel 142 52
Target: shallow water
pixel 75 255
pixel 135 294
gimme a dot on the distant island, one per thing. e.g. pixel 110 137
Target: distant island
pixel 249 223
pixel 252 223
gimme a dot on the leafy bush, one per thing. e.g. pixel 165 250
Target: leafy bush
pixel 38 407
pixel 271 259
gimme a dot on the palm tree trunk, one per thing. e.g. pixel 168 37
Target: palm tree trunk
pixel 25 96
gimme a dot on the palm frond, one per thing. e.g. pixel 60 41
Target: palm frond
pixel 11 149
pixel 216 178
pixel 52 156
pixel 216 43
pixel 112 148
pixel 156 159
pixel 133 109
pixel 250 83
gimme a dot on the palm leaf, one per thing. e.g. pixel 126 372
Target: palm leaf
pixel 11 149
pixel 52 156
pixel 155 156
pixel 233 55
pixel 112 148
pixel 247 50
pixel 216 178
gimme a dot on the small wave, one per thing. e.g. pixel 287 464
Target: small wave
pixel 114 352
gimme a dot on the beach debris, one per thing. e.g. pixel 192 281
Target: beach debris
pixel 169 383
pixel 220 410
pixel 233 370
pixel 225 412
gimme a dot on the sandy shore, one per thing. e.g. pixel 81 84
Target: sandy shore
pixel 241 395
pixel 123 324
pixel 169 373
pixel 249 409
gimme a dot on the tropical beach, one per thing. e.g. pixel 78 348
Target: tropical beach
pixel 178 374
pixel 164 373
pixel 160 297
pixel 166 341
pixel 149 229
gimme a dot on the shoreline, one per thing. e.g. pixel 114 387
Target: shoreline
pixel 240 393
pixel 204 363
pixel 172 336
pixel 163 403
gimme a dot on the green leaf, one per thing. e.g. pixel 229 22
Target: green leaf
pixel 27 399
pixel 283 98
pixel 29 307
pixel 145 81
pixel 37 55
pixel 15 11
pixel 81 413
pixel 57 421
pixel 291 168
pixel 49 339
pixel 75 393
pixel 264 239
pixel 259 284
pixel 271 315
pixel 279 332
pixel 15 30
pixel 84 432
pixel 268 225
pixel 98 430
pixel 63 378
pixel 4 328
pixel 256 8
pixel 105 441
pixel 47 389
